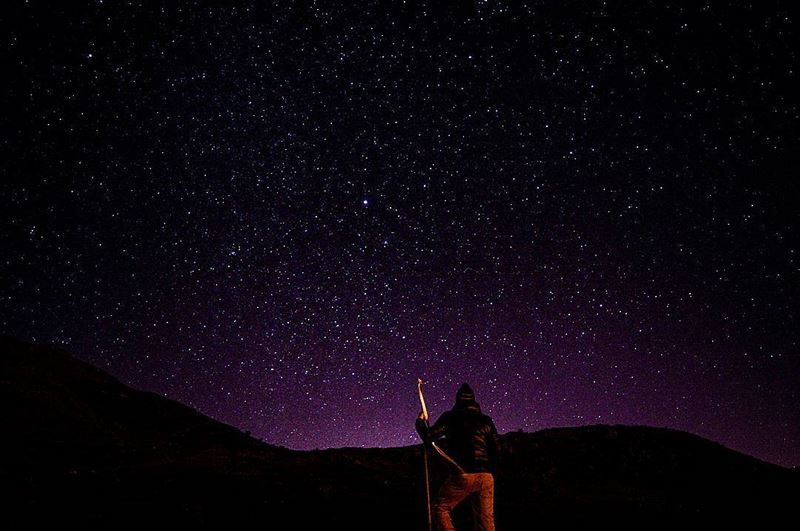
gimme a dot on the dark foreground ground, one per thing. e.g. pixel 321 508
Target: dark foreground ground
pixel 79 449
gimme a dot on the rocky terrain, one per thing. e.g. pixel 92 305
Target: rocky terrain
pixel 80 449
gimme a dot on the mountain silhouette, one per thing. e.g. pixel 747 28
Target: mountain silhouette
pixel 80 449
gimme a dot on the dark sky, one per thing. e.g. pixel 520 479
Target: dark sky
pixel 282 215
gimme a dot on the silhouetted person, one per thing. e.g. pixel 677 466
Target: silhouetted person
pixel 473 443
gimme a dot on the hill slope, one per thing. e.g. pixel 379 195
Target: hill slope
pixel 81 449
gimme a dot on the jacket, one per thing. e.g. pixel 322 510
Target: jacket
pixel 471 436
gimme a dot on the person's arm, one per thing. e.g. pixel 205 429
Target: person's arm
pixel 493 442
pixel 434 432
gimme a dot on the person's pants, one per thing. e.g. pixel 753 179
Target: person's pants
pixel 479 486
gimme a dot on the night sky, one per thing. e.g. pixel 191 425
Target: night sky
pixel 283 215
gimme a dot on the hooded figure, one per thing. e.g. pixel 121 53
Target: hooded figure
pixel 473 443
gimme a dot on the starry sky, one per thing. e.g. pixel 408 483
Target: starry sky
pixel 283 214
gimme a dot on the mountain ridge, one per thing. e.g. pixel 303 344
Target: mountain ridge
pixel 75 433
